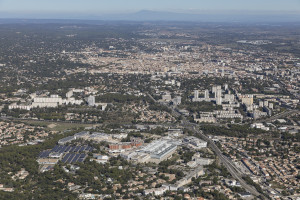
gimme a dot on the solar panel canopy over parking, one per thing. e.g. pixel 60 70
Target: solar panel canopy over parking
pixel 74 158
pixel 44 154
pixel 66 149
pixel 72 154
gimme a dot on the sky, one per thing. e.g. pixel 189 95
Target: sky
pixel 124 6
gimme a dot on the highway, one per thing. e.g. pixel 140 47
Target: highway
pixel 232 169
pixel 45 120
pixel 280 115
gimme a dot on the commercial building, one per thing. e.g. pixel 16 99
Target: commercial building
pixel 195 142
pixel 160 150
pixel 163 153
pixel 99 137
pixel 135 142
pixel 101 159
pixel 66 140
pixel 260 126
pixel 82 134
pixel 136 156
pixel 175 132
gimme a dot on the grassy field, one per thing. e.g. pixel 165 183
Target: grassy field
pixel 58 126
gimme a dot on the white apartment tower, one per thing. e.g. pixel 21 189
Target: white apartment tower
pixel 91 100
pixel 206 94
pixel 196 94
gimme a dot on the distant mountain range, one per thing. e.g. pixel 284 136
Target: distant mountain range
pixel 146 15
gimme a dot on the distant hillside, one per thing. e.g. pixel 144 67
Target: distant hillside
pixel 147 15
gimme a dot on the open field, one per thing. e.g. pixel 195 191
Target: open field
pixel 57 126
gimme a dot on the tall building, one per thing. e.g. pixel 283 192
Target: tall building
pixel 267 110
pixel 214 89
pixel 226 86
pixel 206 94
pixel 223 73
pixel 219 93
pixel 219 100
pixel 196 94
pixel 271 105
pixel 266 103
pixel 91 100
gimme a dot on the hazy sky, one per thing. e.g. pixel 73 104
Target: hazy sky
pixel 108 6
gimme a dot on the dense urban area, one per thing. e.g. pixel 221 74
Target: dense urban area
pixel 149 110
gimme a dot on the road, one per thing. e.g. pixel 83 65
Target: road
pixel 280 115
pixel 233 170
pixel 44 120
